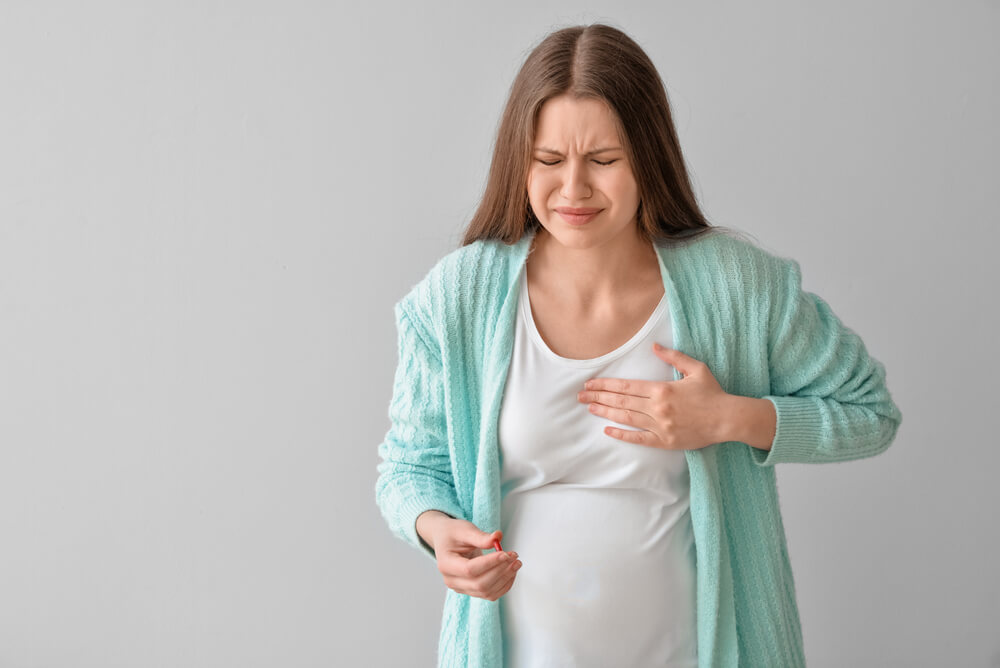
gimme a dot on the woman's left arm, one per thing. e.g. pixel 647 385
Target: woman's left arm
pixel 830 396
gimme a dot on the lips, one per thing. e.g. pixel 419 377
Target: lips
pixel 575 211
pixel 577 216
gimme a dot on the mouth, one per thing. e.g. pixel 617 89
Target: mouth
pixel 577 216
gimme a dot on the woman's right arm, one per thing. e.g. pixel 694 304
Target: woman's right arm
pixel 415 472
pixel 415 490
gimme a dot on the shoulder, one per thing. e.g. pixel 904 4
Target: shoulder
pixel 451 282
pixel 732 261
pixel 726 246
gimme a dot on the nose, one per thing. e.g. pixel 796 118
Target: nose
pixel 576 184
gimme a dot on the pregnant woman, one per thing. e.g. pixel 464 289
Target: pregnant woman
pixel 604 381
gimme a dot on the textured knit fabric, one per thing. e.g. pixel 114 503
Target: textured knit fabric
pixel 734 306
pixel 602 526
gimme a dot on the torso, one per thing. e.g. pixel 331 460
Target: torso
pixel 627 593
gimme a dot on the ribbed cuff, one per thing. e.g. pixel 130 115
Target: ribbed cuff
pixel 411 508
pixel 797 431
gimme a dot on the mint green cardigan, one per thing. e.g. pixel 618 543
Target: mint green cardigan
pixel 734 306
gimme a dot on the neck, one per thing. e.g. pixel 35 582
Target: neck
pixel 598 275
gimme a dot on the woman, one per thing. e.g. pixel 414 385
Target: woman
pixel 639 513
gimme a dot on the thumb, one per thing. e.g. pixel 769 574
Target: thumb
pixel 680 361
pixel 485 540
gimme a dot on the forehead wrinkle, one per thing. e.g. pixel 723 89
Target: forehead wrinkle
pixel 603 149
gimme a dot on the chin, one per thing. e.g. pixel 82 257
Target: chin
pixel 585 236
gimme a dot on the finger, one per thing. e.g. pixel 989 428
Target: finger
pixel 500 571
pixel 483 587
pixel 492 583
pixel 468 542
pixel 638 388
pixel 454 564
pixel 683 363
pixel 616 400
pixel 640 437
pixel 470 534
pixel 506 582
pixel 626 416
pixel 489 540
pixel 509 582
pixel 489 565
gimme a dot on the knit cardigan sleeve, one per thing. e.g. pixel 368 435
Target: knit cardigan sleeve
pixel 415 471
pixel 829 394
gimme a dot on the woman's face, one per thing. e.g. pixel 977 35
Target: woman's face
pixel 579 163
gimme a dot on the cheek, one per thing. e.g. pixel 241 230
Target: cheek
pixel 625 187
pixel 538 186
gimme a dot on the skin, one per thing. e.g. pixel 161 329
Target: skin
pixel 591 267
pixel 590 271
pixel 458 545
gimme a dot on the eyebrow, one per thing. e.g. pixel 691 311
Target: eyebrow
pixel 544 149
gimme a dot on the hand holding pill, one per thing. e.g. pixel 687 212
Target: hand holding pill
pixel 458 545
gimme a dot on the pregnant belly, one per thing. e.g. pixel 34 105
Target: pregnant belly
pixel 606 570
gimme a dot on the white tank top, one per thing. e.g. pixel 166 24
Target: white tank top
pixel 602 526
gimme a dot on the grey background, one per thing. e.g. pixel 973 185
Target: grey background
pixel 207 211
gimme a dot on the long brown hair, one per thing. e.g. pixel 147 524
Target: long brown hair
pixel 601 62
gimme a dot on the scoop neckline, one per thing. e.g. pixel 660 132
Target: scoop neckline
pixel 591 361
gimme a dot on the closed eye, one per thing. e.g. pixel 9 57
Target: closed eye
pixel 556 162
